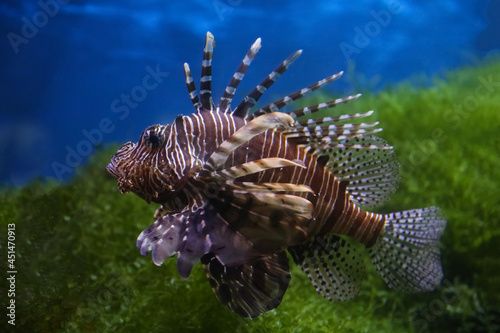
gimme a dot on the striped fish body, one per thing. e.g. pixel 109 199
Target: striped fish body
pixel 334 211
pixel 238 190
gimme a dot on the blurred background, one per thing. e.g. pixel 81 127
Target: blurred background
pixel 78 74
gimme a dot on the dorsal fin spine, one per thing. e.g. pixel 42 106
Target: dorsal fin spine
pixel 206 73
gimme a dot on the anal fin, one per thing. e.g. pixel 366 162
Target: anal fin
pixel 333 264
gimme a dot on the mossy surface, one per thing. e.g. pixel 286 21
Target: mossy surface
pixel 79 270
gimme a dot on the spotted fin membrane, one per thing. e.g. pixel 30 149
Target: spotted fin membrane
pixel 334 265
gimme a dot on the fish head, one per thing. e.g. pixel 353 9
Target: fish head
pixel 142 167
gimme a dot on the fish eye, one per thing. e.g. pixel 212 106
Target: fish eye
pixel 153 137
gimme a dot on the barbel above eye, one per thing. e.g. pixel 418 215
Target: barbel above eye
pixel 154 136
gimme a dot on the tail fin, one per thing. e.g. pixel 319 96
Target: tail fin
pixel 407 254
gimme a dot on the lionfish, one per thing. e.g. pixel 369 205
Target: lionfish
pixel 239 189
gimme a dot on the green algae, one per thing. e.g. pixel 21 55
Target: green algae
pixel 79 270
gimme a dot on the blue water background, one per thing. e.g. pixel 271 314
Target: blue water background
pixel 67 66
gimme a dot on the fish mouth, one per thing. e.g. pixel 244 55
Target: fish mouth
pixel 124 184
pixel 147 182
pixel 112 169
pixel 118 163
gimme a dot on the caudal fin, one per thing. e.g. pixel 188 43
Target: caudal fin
pixel 407 254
